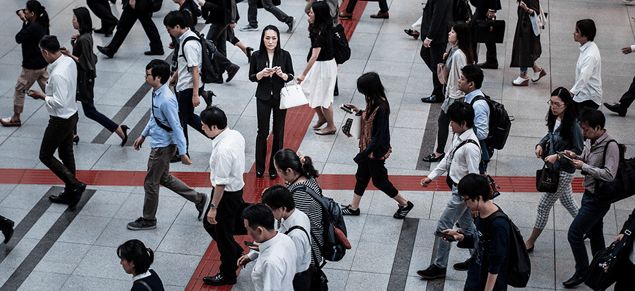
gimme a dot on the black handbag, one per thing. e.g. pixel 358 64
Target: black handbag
pixel 547 179
pixel 85 86
pixel 319 282
pixel 602 272
pixel 623 185
pixel 490 31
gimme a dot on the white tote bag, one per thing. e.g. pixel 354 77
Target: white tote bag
pixel 292 96
pixel 353 126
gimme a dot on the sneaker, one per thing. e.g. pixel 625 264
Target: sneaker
pixel 233 69
pixel 291 24
pixel 347 210
pixel 462 266
pixel 202 206
pixel 432 272
pixel 141 224
pixel 403 211
pixel 249 28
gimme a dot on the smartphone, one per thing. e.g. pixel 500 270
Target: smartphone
pixel 562 155
pixel 249 243
pixel 27 92
pixel 346 108
pixel 443 235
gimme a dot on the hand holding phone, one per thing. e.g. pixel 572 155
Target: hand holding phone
pixel 249 243
pixel 447 237
pixel 562 155
pixel 346 108
pixel 27 92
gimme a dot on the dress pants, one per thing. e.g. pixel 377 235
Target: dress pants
pixel 589 221
pixel 628 97
pixel 59 136
pixel 442 133
pixel 91 112
pixel 369 168
pixel 159 174
pixel 383 6
pixel 433 56
pixel 128 18
pixel 218 34
pixel 581 106
pixel 491 46
pixel 264 108
pixel 454 210
pixel 252 12
pixel 101 8
pixel 228 210
pixel 187 115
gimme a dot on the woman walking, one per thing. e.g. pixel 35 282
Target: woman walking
pixel 374 146
pixel 318 78
pixel 35 25
pixel 86 72
pixel 527 47
pixel 455 59
pixel 136 260
pixel 564 134
pixel 271 67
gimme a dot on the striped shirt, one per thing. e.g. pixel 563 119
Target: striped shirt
pixel 313 209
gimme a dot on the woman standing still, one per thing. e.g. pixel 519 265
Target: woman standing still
pixel 136 260
pixel 527 47
pixel 318 78
pixel 35 25
pixel 271 67
pixel 86 72
pixel 374 145
pixel 564 134
pixel 455 59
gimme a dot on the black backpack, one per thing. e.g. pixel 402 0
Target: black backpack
pixel 461 10
pixel 341 50
pixel 332 219
pixel 518 268
pixel 209 68
pixel 499 123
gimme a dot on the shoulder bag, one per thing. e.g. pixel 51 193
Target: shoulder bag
pixel 602 272
pixel 490 31
pixel 292 96
pixel 547 180
pixel 319 282
pixel 443 73
pixel 353 126
pixel 623 185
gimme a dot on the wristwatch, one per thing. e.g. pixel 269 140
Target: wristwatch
pixel 212 206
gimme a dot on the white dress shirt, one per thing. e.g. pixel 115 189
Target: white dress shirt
pixel 61 88
pixel 276 265
pixel 192 49
pixel 588 75
pixel 464 161
pixel 227 161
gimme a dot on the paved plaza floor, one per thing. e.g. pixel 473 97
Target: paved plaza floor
pixel 58 249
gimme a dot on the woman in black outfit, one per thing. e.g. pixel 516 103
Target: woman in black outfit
pixel 136 260
pixel 271 67
pixel 626 264
pixel 86 72
pixel 374 145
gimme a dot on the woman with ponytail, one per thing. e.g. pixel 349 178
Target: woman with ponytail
pixel 136 260
pixel 35 25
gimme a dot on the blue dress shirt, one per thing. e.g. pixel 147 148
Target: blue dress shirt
pixel 165 108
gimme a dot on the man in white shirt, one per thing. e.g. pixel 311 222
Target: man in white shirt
pixel 227 165
pixel 463 159
pixel 295 224
pixel 276 264
pixel 60 103
pixel 587 90
pixel 187 78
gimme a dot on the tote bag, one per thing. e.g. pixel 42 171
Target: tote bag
pixel 292 96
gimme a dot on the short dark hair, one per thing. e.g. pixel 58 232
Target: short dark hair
pixel 49 43
pixel 159 68
pixel 474 74
pixel 83 19
pixel 174 18
pixel 587 28
pixel 461 111
pixel 214 116
pixel 135 251
pixel 592 117
pixel 259 215
pixel 474 186
pixel 278 196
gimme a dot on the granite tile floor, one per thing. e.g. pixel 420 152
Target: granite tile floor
pixel 77 251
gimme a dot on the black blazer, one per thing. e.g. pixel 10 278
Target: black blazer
pixel 273 84
pixel 485 5
pixel 437 21
pixel 217 11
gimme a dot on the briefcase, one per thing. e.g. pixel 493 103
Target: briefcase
pixel 491 30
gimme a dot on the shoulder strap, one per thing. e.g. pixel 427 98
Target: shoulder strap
pixel 186 40
pixel 311 245
pixel 463 143
pixel 491 218
pixel 606 146
pixel 298 227
pixel 476 98
pixel 144 284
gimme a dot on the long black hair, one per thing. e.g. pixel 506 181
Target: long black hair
pixel 262 53
pixel 464 40
pixel 83 19
pixel 323 22
pixel 135 251
pixel 570 113
pixel 370 85
pixel 41 16
pixel 288 159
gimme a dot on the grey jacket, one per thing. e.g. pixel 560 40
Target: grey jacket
pixel 593 158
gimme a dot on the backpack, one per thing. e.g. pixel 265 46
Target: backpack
pixel 209 68
pixel 623 185
pixel 335 241
pixel 461 10
pixel 341 50
pixel 499 123
pixel 518 268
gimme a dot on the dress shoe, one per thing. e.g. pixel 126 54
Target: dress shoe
pixel 6 225
pixel 345 15
pixel 432 99
pixel 573 281
pixel 233 69
pixel 106 51
pixel 615 107
pixel 432 272
pixel 380 15
pixel 259 174
pixel 153 53
pixel 273 176
pixel 291 24
pixel 538 75
pixel 61 198
pixel 76 195
pixel 520 81
pixel 76 139
pixel 433 158
pixel 219 280
pixel 412 33
pixel 124 128
pixel 462 266
pixel 488 65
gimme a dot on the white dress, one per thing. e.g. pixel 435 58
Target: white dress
pixel 319 82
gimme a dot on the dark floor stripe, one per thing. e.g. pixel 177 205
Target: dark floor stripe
pixel 436 284
pixel 401 264
pixel 138 129
pixel 35 256
pixel 429 136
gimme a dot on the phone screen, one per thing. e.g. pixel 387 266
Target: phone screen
pixel 565 157
pixel 443 235
pixel 249 243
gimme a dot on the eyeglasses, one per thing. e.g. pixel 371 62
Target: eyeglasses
pixel 555 104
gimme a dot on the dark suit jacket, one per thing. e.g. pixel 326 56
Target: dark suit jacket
pixel 629 242
pixel 217 11
pixel 270 86
pixel 485 5
pixel 437 21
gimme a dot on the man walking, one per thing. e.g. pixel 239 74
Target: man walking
pixel 486 9
pixel 101 8
pixel 60 104
pixel 252 15
pixel 166 133
pixel 435 26
pixel 470 84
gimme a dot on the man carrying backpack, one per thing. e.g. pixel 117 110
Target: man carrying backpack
pixel 492 241
pixel 470 84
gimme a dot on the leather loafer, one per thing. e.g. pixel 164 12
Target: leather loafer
pixel 433 158
pixel 61 198
pixel 76 195
pixel 218 280
pixel 273 176
pixel 106 51
pixel 615 107
pixel 380 14
pixel 151 53
pixel 432 99
pixel 573 281
pixel 259 174
pixel 488 65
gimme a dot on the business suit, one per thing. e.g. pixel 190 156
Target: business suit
pixel 128 18
pixel 268 100
pixel 218 13
pixel 435 26
pixel 481 13
pixel 101 8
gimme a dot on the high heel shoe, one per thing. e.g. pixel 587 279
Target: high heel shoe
pixel 76 139
pixel 124 128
